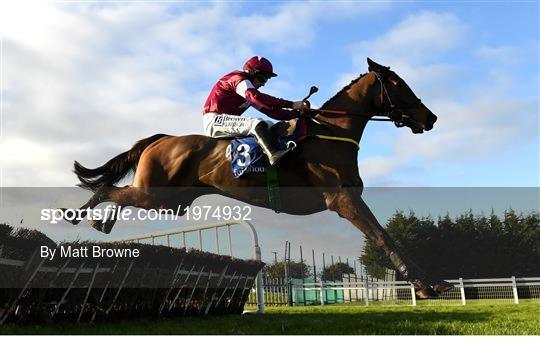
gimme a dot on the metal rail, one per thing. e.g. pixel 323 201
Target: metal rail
pixel 256 249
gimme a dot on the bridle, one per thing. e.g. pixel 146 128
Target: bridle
pixel 390 113
pixel 395 114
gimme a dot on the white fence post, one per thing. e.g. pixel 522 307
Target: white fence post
pixel 413 295
pixel 462 291
pixel 366 291
pixel 322 292
pixel 514 290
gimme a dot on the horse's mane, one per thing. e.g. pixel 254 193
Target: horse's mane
pixel 345 88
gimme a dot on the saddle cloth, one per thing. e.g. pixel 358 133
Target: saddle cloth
pixel 247 156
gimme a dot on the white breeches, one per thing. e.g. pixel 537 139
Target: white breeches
pixel 223 125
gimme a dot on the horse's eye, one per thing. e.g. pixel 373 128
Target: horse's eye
pixel 396 83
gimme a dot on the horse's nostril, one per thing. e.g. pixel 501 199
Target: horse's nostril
pixel 431 120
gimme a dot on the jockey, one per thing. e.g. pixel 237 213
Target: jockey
pixel 234 93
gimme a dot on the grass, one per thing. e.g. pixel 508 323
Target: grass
pixel 496 319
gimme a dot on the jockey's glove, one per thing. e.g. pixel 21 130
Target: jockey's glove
pixel 301 105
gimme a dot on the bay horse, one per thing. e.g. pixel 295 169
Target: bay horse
pixel 172 171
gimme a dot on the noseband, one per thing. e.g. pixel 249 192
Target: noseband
pixel 393 113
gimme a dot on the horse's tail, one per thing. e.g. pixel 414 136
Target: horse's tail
pixel 115 169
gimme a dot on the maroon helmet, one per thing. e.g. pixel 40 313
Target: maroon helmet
pixel 259 65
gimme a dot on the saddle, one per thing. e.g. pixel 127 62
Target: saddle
pixel 293 130
pixel 246 155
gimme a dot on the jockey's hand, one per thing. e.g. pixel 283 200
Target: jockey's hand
pixel 301 106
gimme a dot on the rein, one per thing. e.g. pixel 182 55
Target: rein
pixel 386 115
pixel 345 113
pixel 384 93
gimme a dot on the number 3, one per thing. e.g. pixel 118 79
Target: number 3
pixel 243 150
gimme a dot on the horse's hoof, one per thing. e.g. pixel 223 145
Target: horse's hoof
pixel 107 227
pixel 442 286
pixel 74 222
pixel 426 293
pixel 98 225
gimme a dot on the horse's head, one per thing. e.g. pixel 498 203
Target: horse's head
pixel 398 101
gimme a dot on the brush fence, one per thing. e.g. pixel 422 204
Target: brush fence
pixel 160 282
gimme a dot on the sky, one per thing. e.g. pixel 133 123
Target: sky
pixel 85 80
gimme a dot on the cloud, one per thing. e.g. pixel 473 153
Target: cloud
pixel 91 75
pixel 482 113
pixel 293 25
pixel 416 38
pixel 503 54
pixel 83 80
pixel 476 129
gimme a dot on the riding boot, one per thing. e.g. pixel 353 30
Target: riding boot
pixel 265 140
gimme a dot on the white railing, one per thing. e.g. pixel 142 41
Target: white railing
pixel 401 292
pixel 168 234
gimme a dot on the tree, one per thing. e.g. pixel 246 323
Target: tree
pixel 468 246
pixel 296 270
pixel 335 271
pixel 411 234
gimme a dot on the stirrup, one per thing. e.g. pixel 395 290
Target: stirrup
pixel 291 145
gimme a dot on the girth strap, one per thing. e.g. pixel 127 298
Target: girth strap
pixel 272 184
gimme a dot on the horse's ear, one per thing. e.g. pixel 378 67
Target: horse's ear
pixel 374 66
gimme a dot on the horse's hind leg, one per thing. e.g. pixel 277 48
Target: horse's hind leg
pixel 349 205
pixel 101 195
pixel 159 198
pixel 126 196
pixel 123 196
pixel 136 197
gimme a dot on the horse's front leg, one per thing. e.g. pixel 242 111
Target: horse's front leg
pixel 347 202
